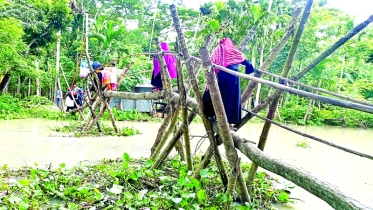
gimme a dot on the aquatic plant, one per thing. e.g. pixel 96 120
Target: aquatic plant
pixel 126 184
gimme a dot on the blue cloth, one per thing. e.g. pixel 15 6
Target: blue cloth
pixel 157 81
pixel 96 65
pixel 229 86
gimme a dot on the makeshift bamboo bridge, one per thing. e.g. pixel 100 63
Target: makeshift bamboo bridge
pixel 219 132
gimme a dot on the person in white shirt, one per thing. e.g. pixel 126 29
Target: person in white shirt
pixel 113 76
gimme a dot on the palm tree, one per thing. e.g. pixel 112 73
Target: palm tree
pixel 106 32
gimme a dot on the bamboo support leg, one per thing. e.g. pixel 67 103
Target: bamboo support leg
pixel 92 111
pixel 167 134
pixel 95 120
pixel 193 81
pixel 112 118
pixel 165 152
pixel 161 131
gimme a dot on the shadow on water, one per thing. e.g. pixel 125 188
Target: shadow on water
pixel 25 142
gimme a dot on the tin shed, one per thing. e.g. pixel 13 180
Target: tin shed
pixel 139 105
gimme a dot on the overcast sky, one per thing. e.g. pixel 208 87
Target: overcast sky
pixel 362 9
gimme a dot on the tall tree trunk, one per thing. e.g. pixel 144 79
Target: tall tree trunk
pixel 261 57
pixel 19 86
pixel 37 79
pixel 29 87
pixel 341 75
pixel 4 82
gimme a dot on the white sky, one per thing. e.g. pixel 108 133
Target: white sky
pixel 361 9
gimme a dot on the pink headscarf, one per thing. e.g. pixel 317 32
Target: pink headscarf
pixel 226 54
pixel 170 62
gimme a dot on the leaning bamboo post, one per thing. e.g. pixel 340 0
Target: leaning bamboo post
pixel 91 108
pixel 171 144
pixel 158 149
pixel 249 36
pixel 217 102
pixel 198 96
pixel 322 189
pixel 99 115
pixel 205 161
pixel 310 66
pixel 184 109
pixel 314 138
pixel 161 131
pixel 273 54
pixel 317 89
pixel 112 118
pixel 273 107
pixel 166 80
pixel 232 181
pixel 179 146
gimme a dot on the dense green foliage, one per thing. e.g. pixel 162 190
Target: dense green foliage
pixel 126 184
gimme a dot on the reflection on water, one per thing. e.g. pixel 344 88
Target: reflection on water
pixel 25 142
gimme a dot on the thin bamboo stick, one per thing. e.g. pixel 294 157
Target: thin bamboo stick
pixel 171 144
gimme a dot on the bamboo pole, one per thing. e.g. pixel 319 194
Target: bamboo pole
pixel 322 189
pixel 318 89
pixel 217 102
pixel 179 146
pixel 273 54
pixel 161 131
pixel 232 182
pixel 198 96
pixel 310 66
pixel 171 144
pixel 282 88
pixel 314 138
pixel 171 127
pixel 184 110
pixel 273 107
pixel 249 36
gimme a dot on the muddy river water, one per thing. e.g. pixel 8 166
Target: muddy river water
pixel 25 142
